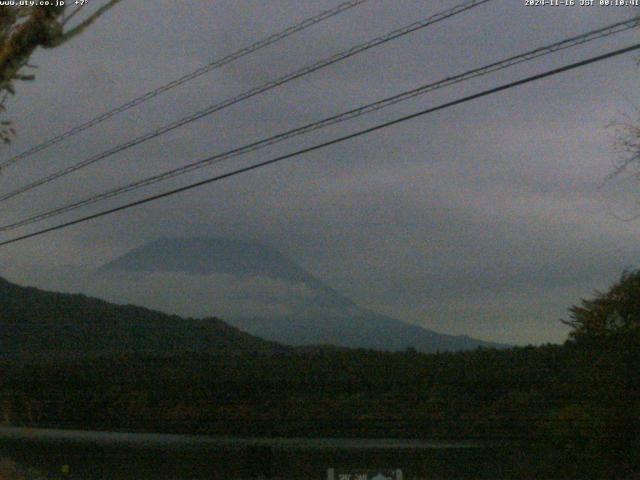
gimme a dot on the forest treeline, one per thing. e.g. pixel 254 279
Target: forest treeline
pixel 582 398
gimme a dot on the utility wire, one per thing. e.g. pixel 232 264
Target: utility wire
pixel 319 146
pixel 369 108
pixel 251 93
pixel 276 37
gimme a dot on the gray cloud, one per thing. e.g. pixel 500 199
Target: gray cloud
pixel 483 219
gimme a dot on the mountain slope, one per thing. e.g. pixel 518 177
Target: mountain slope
pixel 203 256
pixel 317 314
pixel 34 322
pixel 362 329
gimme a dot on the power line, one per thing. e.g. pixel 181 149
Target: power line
pixel 319 146
pixel 369 108
pixel 276 37
pixel 251 93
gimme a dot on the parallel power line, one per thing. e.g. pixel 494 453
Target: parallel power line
pixel 319 146
pixel 270 40
pixel 251 93
pixel 369 108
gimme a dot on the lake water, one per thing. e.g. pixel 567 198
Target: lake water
pixel 106 455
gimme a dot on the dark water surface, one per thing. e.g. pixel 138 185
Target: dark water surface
pixel 104 455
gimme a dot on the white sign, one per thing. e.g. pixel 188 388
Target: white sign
pixel 363 474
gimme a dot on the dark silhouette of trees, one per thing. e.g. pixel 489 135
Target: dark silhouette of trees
pixel 579 403
pixel 612 314
pixel 605 345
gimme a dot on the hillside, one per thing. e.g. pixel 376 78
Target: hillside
pixel 36 323
pixel 284 303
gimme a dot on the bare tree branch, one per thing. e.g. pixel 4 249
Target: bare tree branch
pixel 73 14
pixel 25 28
pixel 78 29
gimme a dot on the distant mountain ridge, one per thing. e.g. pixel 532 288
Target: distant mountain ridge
pixel 35 323
pixel 203 256
pixel 324 317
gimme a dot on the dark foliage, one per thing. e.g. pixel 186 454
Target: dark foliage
pixel 35 323
pixel 579 402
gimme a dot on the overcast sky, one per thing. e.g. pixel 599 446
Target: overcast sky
pixel 485 219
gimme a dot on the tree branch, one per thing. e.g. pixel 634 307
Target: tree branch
pixel 38 29
pixel 78 29
pixel 76 10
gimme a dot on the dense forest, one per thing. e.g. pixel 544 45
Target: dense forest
pixel 580 399
pixel 37 324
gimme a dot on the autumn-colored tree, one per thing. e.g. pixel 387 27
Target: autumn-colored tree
pixel 612 314
pixel 25 28
pixel 606 341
